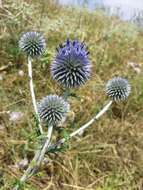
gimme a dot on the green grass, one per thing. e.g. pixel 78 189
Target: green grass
pixel 109 156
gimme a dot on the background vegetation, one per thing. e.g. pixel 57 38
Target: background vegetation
pixel 109 155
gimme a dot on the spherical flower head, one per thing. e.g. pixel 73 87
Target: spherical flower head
pixel 32 43
pixel 53 109
pixel 71 66
pixel 118 89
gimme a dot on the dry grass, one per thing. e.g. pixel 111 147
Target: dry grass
pixel 109 156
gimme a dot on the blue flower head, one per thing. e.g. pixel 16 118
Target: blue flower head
pixel 71 66
pixel 53 109
pixel 118 89
pixel 32 43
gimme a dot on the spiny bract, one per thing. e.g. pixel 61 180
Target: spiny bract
pixel 118 89
pixel 53 109
pixel 71 67
pixel 32 43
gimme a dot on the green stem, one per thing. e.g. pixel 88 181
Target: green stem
pixel 36 161
pixel 82 128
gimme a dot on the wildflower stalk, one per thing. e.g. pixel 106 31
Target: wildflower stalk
pixel 35 163
pixel 82 128
pixel 32 93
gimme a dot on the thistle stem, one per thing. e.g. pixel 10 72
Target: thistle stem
pixel 36 161
pixel 82 128
pixel 32 93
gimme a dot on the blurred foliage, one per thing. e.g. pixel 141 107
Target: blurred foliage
pixel 108 156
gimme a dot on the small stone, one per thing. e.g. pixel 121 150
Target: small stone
pixel 22 164
pixel 15 116
pixel 21 73
pixel 135 66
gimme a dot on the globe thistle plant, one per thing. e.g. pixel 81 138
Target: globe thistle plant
pixel 71 66
pixel 53 109
pixel 118 89
pixel 32 43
